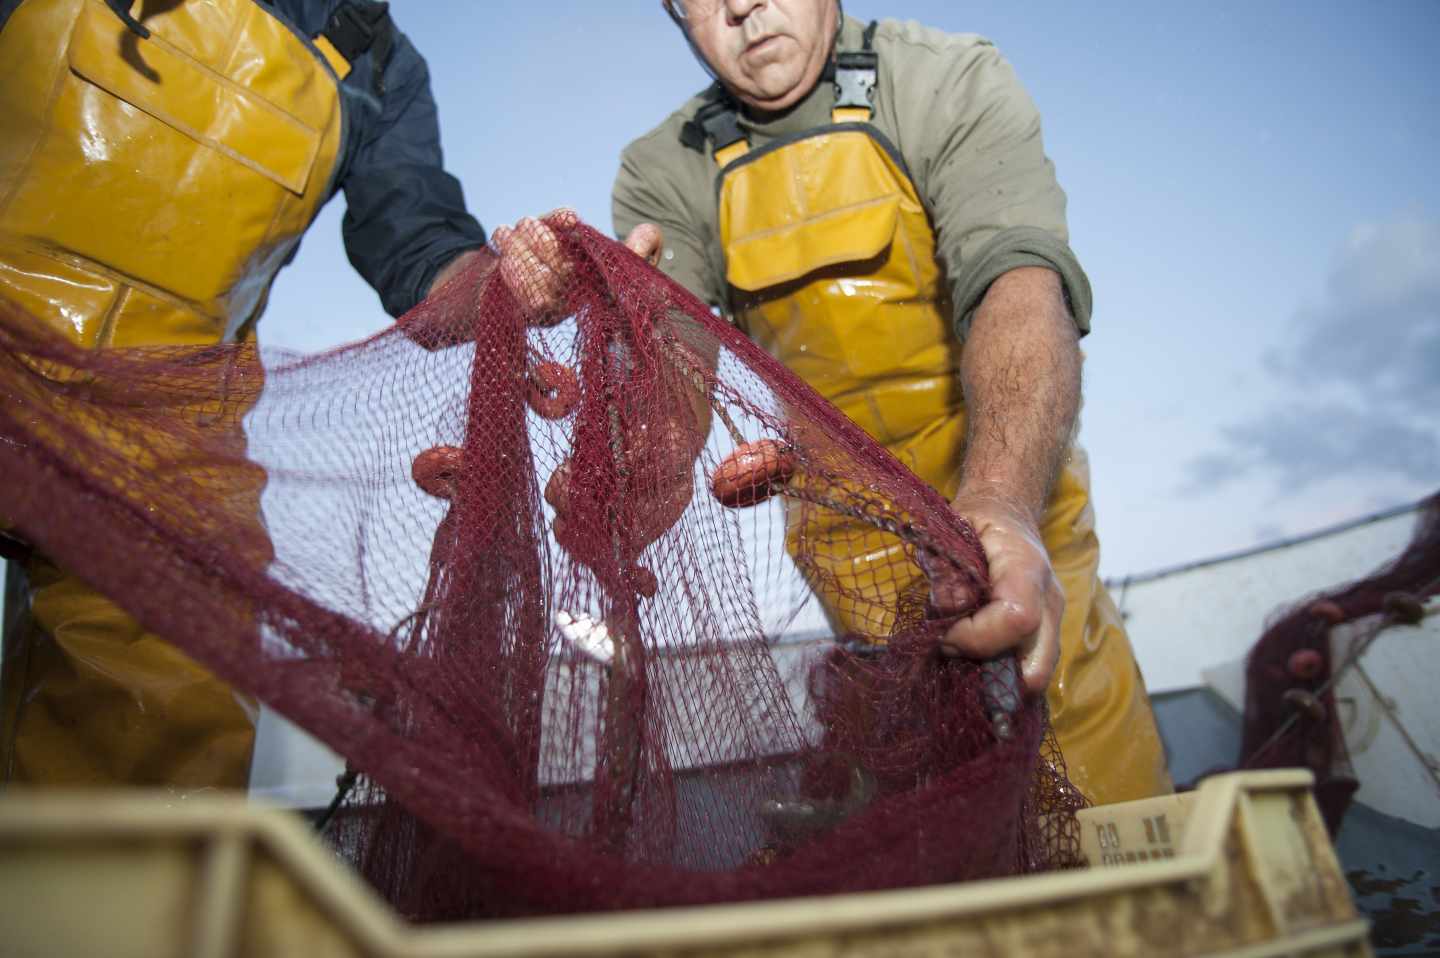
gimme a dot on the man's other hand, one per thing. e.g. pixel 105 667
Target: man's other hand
pixel 646 241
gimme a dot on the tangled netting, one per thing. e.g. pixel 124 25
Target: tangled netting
pixel 1291 719
pixel 526 572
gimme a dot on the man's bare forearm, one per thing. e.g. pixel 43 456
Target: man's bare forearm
pixel 1021 376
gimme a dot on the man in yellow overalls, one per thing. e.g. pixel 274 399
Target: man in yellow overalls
pixel 159 162
pixel 874 206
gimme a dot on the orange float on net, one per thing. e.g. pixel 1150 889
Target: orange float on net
pixel 437 470
pixel 661 458
pixel 557 494
pixel 643 581
pixel 554 389
pixel 1305 664
pixel 752 473
pixel 557 488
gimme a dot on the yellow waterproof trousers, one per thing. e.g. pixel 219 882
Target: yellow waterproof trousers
pixel 93 699
pixel 150 189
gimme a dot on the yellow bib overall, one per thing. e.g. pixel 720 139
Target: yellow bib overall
pixel 830 260
pixel 150 189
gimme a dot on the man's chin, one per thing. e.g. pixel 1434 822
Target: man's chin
pixel 768 101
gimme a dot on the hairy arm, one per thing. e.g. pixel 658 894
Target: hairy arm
pixel 1021 376
pixel 999 217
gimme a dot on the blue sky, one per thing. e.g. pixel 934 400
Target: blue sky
pixel 1252 189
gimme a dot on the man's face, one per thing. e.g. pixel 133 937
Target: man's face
pixel 769 53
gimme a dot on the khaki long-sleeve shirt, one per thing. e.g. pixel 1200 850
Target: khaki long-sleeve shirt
pixel 970 138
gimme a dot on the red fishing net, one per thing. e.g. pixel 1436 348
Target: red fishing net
pixel 529 577
pixel 1291 719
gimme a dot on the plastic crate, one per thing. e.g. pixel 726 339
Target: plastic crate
pixel 1242 867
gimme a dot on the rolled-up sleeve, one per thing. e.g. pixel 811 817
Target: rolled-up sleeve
pixel 405 216
pixel 990 189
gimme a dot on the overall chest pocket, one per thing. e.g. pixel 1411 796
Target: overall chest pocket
pixel 830 261
pixel 158 166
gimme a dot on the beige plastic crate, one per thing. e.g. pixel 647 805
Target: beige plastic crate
pixel 1242 867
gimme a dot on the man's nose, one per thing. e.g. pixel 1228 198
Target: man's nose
pixel 738 10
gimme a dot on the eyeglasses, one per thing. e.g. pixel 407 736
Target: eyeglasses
pixel 683 10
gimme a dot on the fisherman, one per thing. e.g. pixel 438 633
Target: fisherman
pixel 156 172
pixel 873 205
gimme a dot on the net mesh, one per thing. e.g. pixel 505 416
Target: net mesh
pixel 529 576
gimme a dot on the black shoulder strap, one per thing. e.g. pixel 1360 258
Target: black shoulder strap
pixel 358 26
pixel 717 122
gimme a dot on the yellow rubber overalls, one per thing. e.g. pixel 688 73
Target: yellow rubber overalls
pixel 830 260
pixel 151 186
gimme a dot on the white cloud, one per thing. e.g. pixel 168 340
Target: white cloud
pixel 1360 383
pixel 1377 328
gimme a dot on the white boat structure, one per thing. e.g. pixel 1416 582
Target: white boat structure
pixel 1193 626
